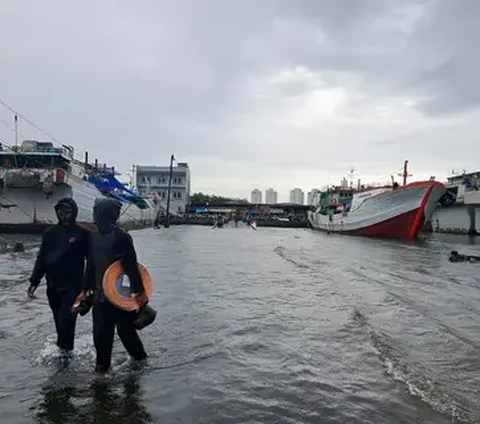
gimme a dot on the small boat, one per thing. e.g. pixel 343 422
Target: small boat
pixel 219 223
pixel 396 212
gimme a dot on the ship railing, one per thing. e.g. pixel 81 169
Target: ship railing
pixel 38 150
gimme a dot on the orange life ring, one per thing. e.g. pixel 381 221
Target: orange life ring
pixel 119 293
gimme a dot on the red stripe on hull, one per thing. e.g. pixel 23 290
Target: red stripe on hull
pixel 417 224
pixel 399 227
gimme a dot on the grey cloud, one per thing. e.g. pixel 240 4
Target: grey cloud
pixel 195 78
pixel 450 79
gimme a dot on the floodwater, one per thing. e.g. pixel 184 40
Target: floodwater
pixel 267 326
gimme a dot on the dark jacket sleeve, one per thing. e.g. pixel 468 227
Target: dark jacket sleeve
pixel 39 269
pixel 89 274
pixel 129 262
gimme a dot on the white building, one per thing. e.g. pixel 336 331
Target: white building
pixel 271 196
pixel 256 196
pixel 313 196
pixel 297 196
pixel 150 180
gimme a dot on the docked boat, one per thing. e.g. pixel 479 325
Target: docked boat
pixel 398 212
pixel 35 175
pixel 459 212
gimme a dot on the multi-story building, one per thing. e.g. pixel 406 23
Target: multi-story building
pixel 313 197
pixel 256 196
pixel 151 180
pixel 297 196
pixel 271 196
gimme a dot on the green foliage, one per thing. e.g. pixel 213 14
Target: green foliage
pixel 201 198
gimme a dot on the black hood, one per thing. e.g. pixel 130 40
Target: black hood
pixel 68 201
pixel 106 213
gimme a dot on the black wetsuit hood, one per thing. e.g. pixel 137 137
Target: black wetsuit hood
pixel 61 258
pixel 106 213
pixel 68 201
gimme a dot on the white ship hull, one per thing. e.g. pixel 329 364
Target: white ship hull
pixel 31 210
pixel 387 213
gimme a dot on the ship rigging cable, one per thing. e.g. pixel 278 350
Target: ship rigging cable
pixel 28 121
pixel 79 160
pixel 125 212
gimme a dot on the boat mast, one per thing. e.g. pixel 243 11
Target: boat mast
pixel 15 120
pixel 86 163
pixel 405 174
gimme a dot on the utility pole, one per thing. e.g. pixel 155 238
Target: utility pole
pixel 167 218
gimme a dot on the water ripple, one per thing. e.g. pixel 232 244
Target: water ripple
pixel 272 326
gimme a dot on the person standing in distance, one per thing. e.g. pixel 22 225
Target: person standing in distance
pixel 61 259
pixel 108 244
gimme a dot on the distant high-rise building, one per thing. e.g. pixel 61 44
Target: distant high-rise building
pixel 344 183
pixel 297 196
pixel 312 198
pixel 271 196
pixel 256 196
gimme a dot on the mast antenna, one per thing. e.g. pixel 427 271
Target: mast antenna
pixel 405 173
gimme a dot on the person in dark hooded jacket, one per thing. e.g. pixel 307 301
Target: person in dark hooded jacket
pixel 110 243
pixel 61 260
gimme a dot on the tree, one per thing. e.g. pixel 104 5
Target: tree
pixel 201 198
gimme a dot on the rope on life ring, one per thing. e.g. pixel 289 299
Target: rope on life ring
pixel 120 294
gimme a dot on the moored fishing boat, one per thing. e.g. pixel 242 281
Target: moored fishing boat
pixel 35 175
pixel 398 212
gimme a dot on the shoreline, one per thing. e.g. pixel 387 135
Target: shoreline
pixel 260 223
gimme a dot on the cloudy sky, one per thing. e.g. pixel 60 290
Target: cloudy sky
pixel 251 93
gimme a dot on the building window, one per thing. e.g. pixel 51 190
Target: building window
pixel 146 179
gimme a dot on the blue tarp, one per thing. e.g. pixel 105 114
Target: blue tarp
pixel 108 183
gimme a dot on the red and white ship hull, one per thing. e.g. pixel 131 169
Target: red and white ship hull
pixel 384 212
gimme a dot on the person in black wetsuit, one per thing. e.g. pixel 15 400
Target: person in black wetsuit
pixel 457 257
pixel 61 259
pixel 109 244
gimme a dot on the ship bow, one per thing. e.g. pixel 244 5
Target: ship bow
pixel 417 203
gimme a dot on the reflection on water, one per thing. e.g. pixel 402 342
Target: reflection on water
pixel 102 401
